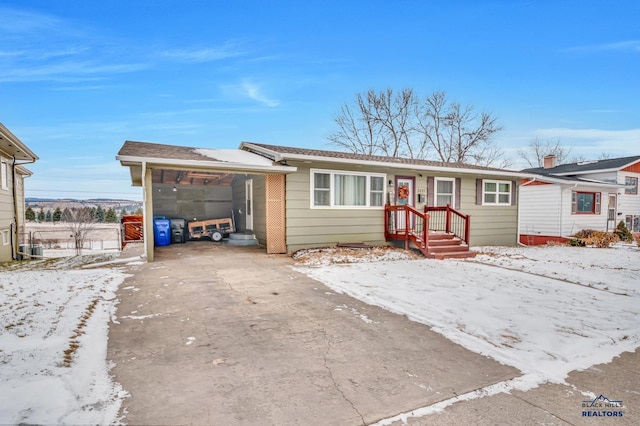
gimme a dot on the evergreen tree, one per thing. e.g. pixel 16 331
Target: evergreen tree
pixel 29 214
pixel 41 215
pixel 99 214
pixel 138 211
pixel 123 212
pixel 110 216
pixel 48 217
pixel 57 214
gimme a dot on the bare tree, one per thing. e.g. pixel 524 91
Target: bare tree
pixel 456 133
pixel 538 148
pixel 80 221
pixel 378 124
pixel 399 125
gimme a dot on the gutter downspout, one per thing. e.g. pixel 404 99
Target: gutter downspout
pixel 520 199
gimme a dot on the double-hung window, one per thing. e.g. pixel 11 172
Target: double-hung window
pixel 341 189
pixel 496 192
pixel 631 185
pixel 445 190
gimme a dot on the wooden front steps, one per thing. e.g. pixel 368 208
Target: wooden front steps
pixel 438 232
pixel 446 246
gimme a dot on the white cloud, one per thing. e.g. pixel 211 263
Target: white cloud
pixel 590 142
pixel 210 54
pixel 253 91
pixel 620 46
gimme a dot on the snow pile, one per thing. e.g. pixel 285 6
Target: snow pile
pixel 546 311
pixel 340 255
pixel 237 156
pixel 53 343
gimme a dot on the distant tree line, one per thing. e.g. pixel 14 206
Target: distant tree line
pixel 98 214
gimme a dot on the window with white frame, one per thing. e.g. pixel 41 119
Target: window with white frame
pixel 445 190
pixel 496 192
pixel 4 173
pixel 631 185
pixel 5 237
pixel 341 189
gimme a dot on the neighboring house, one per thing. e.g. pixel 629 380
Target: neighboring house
pixel 564 199
pixel 295 198
pixel 13 154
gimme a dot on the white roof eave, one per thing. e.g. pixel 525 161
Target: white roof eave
pixel 218 165
pixel 304 157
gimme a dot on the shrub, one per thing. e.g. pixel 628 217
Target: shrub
pixel 591 237
pixel 623 232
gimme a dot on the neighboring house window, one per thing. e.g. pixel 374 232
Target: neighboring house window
pixel 631 184
pixel 5 238
pixel 633 223
pixel 585 202
pixel 445 190
pixel 347 189
pixel 4 173
pixel 496 192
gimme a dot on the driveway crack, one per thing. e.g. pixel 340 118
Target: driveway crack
pixel 333 380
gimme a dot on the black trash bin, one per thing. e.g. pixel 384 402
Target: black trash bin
pixel 178 232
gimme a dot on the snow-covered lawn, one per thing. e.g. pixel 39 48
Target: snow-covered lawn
pixel 546 311
pixel 54 319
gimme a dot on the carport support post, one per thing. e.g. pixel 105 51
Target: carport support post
pixel 147 201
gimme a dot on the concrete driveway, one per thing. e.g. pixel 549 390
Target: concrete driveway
pixel 219 335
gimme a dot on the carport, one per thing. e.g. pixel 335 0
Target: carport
pixel 199 184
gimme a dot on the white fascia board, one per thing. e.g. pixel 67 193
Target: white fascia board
pixel 205 165
pixel 585 172
pixel 406 166
pixel 551 179
pixel 6 133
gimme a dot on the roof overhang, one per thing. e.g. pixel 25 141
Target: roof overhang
pixel 574 182
pixel 13 146
pixel 137 164
pixel 277 156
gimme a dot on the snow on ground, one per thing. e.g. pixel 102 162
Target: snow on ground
pixel 54 319
pixel 546 311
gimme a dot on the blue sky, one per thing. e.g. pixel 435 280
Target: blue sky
pixel 78 78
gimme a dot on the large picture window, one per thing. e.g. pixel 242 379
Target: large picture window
pixel 585 202
pixel 496 192
pixel 331 188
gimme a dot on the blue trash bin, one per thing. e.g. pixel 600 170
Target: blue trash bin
pixel 162 232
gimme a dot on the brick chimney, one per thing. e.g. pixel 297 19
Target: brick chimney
pixel 549 161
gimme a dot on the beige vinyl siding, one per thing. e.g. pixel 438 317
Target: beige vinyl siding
pixel 7 211
pixel 490 225
pixel 308 227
